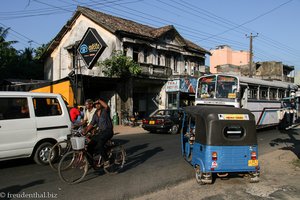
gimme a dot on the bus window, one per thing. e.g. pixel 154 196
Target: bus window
pixel 222 91
pixel 227 87
pixel 263 93
pixel 281 93
pixel 206 87
pixel 273 94
pixel 252 92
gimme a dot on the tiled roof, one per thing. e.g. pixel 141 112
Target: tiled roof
pixel 116 24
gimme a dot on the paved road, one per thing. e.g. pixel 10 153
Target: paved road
pixel 154 161
pixel 151 157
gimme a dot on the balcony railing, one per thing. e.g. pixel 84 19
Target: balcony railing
pixel 155 70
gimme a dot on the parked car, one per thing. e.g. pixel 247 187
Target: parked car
pixel 31 123
pixel 165 120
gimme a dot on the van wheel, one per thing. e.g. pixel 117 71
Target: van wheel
pixel 41 155
pixel 174 129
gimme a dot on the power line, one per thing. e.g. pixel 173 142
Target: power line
pixel 251 20
pixel 28 39
pixel 154 20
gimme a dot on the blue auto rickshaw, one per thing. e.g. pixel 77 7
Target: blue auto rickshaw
pixel 220 140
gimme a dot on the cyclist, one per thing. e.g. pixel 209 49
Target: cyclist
pixel 103 133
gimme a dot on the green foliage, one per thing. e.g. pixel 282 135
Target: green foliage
pixel 40 51
pixel 8 54
pixel 120 65
pixel 18 64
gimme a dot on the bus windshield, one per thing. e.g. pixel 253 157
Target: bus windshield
pixel 218 86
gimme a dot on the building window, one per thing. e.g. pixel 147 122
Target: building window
pixel 168 61
pixel 175 64
pixel 145 56
pixel 135 56
pixel 158 59
pixel 185 66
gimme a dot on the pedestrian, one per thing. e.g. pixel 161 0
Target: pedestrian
pixel 74 114
pixel 89 113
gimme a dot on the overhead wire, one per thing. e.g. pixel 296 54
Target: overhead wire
pixel 232 24
pixel 195 33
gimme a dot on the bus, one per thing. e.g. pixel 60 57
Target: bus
pixel 262 98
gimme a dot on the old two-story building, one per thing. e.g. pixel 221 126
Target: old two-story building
pixel 163 54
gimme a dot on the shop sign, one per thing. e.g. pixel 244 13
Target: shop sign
pixel 91 47
pixel 188 85
pixel 173 86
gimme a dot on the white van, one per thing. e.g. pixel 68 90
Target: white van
pixel 31 123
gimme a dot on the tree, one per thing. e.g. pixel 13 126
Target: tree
pixel 8 55
pixel 19 64
pixel 40 51
pixel 120 65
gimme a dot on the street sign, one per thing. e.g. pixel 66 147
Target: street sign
pixel 91 47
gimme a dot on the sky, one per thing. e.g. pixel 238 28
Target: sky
pixel 275 23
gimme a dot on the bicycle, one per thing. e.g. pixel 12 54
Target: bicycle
pixel 61 148
pixel 74 165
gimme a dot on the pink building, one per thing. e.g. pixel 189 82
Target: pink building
pixel 223 54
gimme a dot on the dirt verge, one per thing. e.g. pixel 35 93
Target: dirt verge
pixel 280 173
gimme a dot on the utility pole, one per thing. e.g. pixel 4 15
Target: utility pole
pixel 251 53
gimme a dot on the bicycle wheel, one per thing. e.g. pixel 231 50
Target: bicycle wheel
pixel 117 160
pixel 73 167
pixel 57 152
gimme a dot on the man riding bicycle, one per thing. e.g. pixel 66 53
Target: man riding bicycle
pixel 104 132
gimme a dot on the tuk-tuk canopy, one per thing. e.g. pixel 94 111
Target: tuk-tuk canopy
pixel 219 125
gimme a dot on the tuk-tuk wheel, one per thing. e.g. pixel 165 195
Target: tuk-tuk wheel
pixel 254 177
pixel 174 129
pixel 199 175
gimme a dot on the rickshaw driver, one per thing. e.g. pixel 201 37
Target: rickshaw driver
pixel 103 133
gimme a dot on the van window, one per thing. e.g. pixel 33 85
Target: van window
pixel 13 108
pixel 46 107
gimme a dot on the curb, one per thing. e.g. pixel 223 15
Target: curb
pixel 125 130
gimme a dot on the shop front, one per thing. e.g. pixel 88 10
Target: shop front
pixel 180 92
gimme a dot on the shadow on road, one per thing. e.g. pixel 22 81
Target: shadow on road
pixel 15 189
pixel 295 144
pixel 133 160
pixel 15 162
